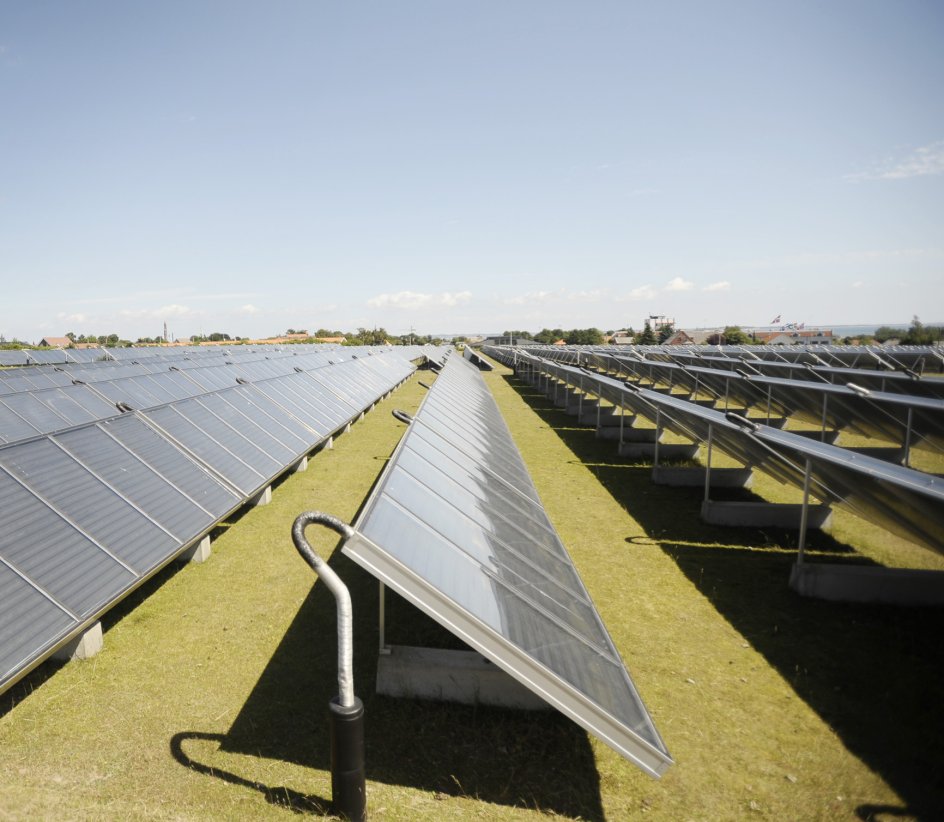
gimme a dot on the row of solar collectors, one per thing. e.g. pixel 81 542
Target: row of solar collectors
pixel 89 512
pixel 456 527
pixel 903 357
pixel 874 380
pixel 894 497
pixel 27 413
pixel 283 361
pixel 890 416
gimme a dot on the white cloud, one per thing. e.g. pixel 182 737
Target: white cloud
pixel 165 312
pixel 722 285
pixel 530 298
pixel 247 309
pixel 413 300
pixel 920 162
pixel 642 292
pixel 857 284
pixel 678 284
pixel 72 318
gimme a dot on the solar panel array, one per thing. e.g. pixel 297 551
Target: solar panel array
pixel 893 496
pixel 94 500
pixel 456 527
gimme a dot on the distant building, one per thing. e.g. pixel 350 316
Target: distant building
pixel 690 337
pixel 813 336
pixel 621 337
pixel 55 342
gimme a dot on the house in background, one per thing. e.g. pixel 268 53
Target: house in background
pixel 55 342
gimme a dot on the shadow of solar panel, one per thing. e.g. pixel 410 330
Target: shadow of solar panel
pixel 449 531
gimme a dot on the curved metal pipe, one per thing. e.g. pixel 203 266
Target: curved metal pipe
pixel 341 594
pixel 402 416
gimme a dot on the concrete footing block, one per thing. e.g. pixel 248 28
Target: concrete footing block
pixel 450 676
pixel 647 450
pixel 868 583
pixel 198 552
pixel 346 428
pixel 695 477
pixel 301 465
pixel 84 646
pixel 264 497
pixel 763 514
pixel 328 444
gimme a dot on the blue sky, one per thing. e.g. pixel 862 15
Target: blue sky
pixel 468 166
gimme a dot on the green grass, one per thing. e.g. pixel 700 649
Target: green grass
pixel 208 701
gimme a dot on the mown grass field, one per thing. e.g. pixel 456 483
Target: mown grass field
pixel 208 701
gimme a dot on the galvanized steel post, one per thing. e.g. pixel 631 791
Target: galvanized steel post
pixel 345 711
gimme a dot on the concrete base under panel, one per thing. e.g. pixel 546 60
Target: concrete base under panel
pixel 264 497
pixel 632 434
pixel 610 432
pixel 450 676
pixel 707 402
pixel 346 428
pixel 84 646
pixel 763 514
pixel 301 465
pixel 667 451
pixel 868 583
pixel 200 552
pixel 695 477
pixel 587 410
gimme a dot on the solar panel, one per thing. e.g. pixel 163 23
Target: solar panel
pixel 465 539
pixel 12 357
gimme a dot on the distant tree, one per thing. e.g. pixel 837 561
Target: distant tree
pixel 71 335
pixel 885 333
pixel 666 331
pixel 517 335
pixel 376 336
pixel 584 336
pixel 920 334
pixel 735 335
pixel 647 337
pixel 112 339
pixel 217 336
pixel 548 336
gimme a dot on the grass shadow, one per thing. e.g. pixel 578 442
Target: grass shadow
pixel 872 673
pixel 500 756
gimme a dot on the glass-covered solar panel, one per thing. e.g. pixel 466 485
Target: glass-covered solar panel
pixel 450 534
pixel 53 554
pixel 47 356
pixel 76 404
pixel 137 482
pixel 107 518
pixel 173 464
pixel 29 622
pixel 273 455
pixel 40 416
pixel 13 426
pixel 213 445
pixel 13 357
pixel 287 393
